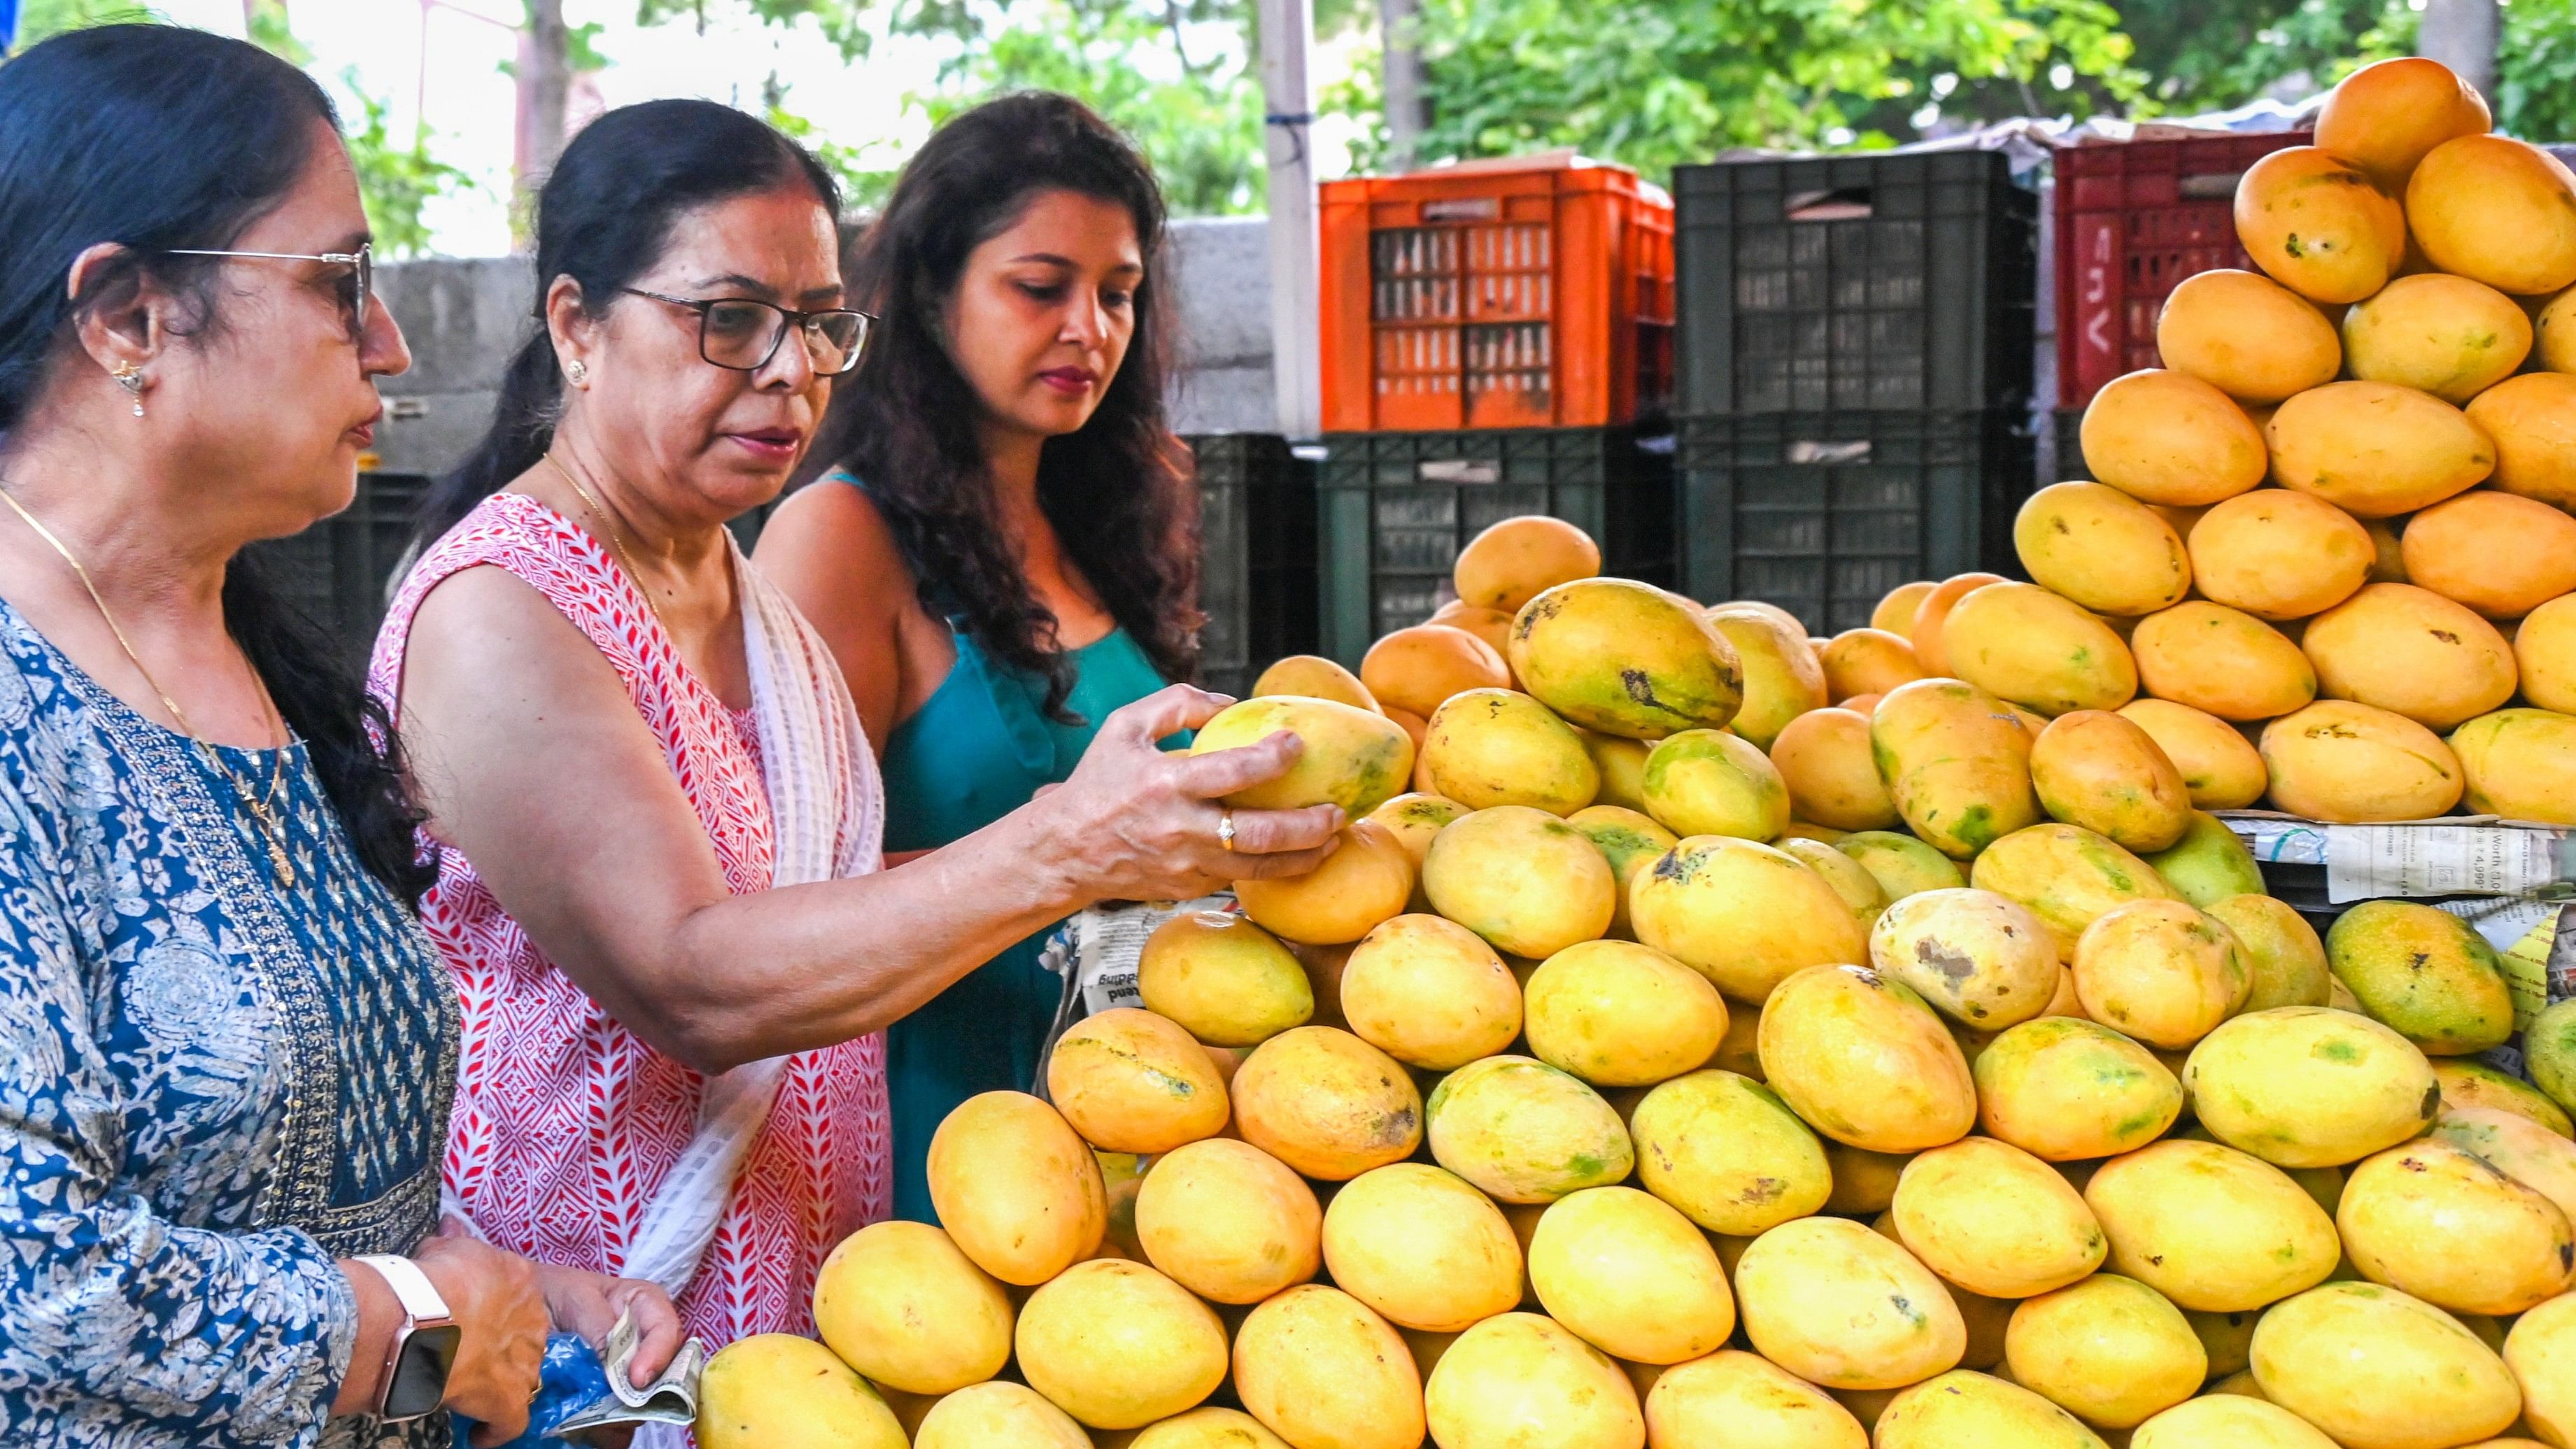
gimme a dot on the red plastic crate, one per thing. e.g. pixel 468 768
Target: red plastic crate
pixel 1481 296
pixel 2133 220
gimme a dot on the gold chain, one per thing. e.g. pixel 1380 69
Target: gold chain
pixel 614 541
pixel 267 812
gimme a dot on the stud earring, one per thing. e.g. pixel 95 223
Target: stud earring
pixel 130 377
pixel 578 371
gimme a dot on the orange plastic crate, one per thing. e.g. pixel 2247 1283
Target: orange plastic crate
pixel 1489 296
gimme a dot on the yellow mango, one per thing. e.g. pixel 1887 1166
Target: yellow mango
pixel 2496 210
pixel 1429 993
pixel 2309 1086
pixel 2026 645
pixel 1901 864
pixel 2110 1350
pixel 2093 768
pixel 2246 335
pixel 1118 1345
pixel 1864 1181
pixel 1711 782
pixel 1525 1132
pixel 2280 555
pixel 1995 1220
pixel 1368 880
pixel 1841 1306
pixel 1631 1276
pixel 1737 1398
pixel 1521 878
pixel 2408 1213
pixel 1823 760
pixel 1964 1407
pixel 2220 768
pixel 1314 677
pixel 1000 1412
pixel 1132 1081
pixel 1618 1014
pixel 2222 661
pixel 1978 957
pixel 1228 1221
pixel 2528 417
pixel 2227 1420
pixel 2341 761
pixel 1327 1103
pixel 1852 881
pixel 1861 1059
pixel 2282 951
pixel 2168 438
pixel 2385 116
pixel 1895 611
pixel 1422 1248
pixel 2101 548
pixel 2541 1351
pixel 1520 1379
pixel 2318 226
pixel 1318 1368
pixel 2228 1338
pixel 1414 817
pixel 2210 1227
pixel 1956 762
pixel 1489 747
pixel 898 1302
pixel 2410 651
pixel 1783 678
pixel 1743 914
pixel 2518 765
pixel 2468 1084
pixel 2068 877
pixel 2376 449
pixel 2554 332
pixel 1728 1153
pixel 1625 658
pixel 1494 626
pixel 1622 764
pixel 2208 864
pixel 2376 1369
pixel 1934 612
pixel 1355 758
pixel 2497 553
pixel 1514 561
pixel 1417 669
pixel 2445 335
pixel 779 1388
pixel 2160 971
pixel 1631 841
pixel 1206 1428
pixel 1016 1189
pixel 1225 980
pixel 2427 973
pixel 2065 1089
pixel 1867 662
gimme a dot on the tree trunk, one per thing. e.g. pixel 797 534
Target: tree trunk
pixel 1400 80
pixel 2462 35
pixel 545 82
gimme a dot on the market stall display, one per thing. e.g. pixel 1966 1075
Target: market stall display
pixel 1737 1038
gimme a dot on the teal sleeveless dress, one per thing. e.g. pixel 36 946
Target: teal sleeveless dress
pixel 975 751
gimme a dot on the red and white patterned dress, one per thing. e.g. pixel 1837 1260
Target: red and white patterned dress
pixel 565 1122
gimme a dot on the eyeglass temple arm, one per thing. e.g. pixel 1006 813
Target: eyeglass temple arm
pixel 340 258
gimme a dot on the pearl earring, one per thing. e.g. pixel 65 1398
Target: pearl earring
pixel 578 371
pixel 130 377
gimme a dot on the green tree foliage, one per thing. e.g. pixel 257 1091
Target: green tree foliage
pixel 2215 54
pixel 2536 66
pixel 41 19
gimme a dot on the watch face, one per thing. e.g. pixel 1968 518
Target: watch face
pixel 420 1374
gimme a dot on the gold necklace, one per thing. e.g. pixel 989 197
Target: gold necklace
pixel 266 811
pixel 614 540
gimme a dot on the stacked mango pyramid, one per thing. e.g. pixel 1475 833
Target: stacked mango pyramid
pixel 1733 1040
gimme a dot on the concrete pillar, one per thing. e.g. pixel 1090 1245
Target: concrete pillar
pixel 1400 81
pixel 2462 35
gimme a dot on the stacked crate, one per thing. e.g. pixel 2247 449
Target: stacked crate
pixel 1497 340
pixel 1256 556
pixel 2132 220
pixel 1855 337
pixel 340 570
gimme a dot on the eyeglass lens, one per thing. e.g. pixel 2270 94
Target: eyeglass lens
pixel 743 334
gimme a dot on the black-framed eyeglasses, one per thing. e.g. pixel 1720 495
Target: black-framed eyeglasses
pixel 742 334
pixel 358 288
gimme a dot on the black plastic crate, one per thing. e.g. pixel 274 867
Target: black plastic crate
pixel 2070 446
pixel 1822 514
pixel 1256 555
pixel 1855 283
pixel 1397 507
pixel 341 569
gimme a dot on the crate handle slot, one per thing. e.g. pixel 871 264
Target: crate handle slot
pixel 1460 470
pixel 1851 203
pixel 1803 451
pixel 402 409
pixel 2212 185
pixel 1463 208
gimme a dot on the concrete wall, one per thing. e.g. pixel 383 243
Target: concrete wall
pixel 465 319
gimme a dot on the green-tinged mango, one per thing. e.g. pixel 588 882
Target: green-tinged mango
pixel 2281 950
pixel 2211 1227
pixel 1901 864
pixel 1709 782
pixel 2309 1086
pixel 1526 1132
pixel 1782 677
pixel 2425 972
pixel 1354 758
pixel 1980 958
pixel 1956 760
pixel 1487 747
pixel 1743 914
pixel 2068 876
pixel 2029 646
pixel 1625 658
pixel 1861 1059
pixel 2207 863
pixel 1728 1153
pixel 2069 1090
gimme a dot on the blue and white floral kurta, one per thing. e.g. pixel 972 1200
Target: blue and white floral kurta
pixel 210 1086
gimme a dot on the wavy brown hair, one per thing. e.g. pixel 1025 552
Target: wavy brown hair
pixel 1118 491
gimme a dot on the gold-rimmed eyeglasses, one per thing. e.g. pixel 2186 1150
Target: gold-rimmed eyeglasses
pixel 357 291
pixel 742 334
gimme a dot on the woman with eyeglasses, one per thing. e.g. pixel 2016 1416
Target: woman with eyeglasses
pixel 226 1047
pixel 1006 554
pixel 656 812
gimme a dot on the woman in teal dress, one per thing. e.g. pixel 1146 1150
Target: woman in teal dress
pixel 1004 553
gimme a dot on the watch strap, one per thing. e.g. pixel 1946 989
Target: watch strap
pixel 420 1299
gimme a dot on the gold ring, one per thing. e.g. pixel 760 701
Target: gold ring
pixel 1225 828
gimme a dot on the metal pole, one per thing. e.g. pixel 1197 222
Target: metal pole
pixel 1400 80
pixel 1288 95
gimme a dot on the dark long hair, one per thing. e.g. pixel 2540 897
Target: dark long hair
pixel 603 219
pixel 1117 492
pixel 158 137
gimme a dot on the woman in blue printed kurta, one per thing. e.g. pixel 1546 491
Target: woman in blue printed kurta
pixel 226 1046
